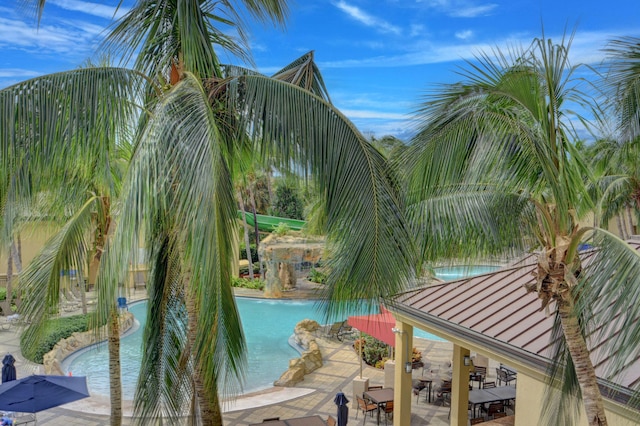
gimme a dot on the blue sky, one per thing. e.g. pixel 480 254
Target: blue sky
pixel 378 57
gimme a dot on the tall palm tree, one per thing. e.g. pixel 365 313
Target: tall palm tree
pixel 493 168
pixel 179 197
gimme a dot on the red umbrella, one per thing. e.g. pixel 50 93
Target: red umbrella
pixel 376 325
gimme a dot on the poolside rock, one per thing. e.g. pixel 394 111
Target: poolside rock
pixel 310 360
pixel 52 360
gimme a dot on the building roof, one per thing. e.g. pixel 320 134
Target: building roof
pixel 495 311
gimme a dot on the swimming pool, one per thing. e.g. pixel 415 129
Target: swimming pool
pixel 451 273
pixel 267 324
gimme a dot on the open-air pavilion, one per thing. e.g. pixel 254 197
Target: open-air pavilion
pixel 494 316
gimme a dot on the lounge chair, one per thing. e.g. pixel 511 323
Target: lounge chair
pixel 339 329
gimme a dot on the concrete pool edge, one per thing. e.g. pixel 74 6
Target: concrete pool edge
pixel 100 404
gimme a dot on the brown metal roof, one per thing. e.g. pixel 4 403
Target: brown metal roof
pixel 496 308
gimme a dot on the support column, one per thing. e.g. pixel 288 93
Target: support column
pixel 460 387
pixel 402 380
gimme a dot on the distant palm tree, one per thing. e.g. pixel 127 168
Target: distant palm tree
pixel 494 168
pixel 179 196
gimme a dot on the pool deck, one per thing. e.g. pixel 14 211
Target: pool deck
pixel 312 396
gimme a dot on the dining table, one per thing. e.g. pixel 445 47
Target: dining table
pixel 296 421
pixel 485 396
pixel 379 397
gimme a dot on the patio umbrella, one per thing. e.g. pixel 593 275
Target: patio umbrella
pixel 376 325
pixel 8 369
pixel 343 409
pixel 36 393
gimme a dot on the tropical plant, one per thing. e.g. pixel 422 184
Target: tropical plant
pixel 287 202
pixel 493 169
pixel 44 125
pixel 179 196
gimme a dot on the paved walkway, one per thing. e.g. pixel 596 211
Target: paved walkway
pixel 312 396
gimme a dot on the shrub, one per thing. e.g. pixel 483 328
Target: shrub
pixel 317 276
pixel 56 330
pixel 254 252
pixel 374 352
pixel 281 229
pixel 247 283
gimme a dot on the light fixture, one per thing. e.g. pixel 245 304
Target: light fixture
pixel 467 361
pixel 408 366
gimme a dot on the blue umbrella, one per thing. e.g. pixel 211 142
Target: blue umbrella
pixel 8 369
pixel 36 393
pixel 343 409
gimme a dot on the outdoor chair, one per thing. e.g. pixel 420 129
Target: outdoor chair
pixel 374 387
pixel 388 411
pixel 505 376
pixel 339 329
pixel 498 415
pixel 365 407
pixel 493 408
pixel 418 387
pixel 445 392
pixel 478 375
pixel 331 421
pixel 476 421
pixel 488 385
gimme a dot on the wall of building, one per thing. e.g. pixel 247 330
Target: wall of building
pixel 32 239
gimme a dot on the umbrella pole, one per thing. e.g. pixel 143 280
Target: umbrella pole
pixel 360 347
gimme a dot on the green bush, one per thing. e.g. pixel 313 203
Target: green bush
pixel 56 330
pixel 374 351
pixel 247 283
pixel 243 252
pixel 317 276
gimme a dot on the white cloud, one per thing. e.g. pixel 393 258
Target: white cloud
pixel 461 8
pixel 366 19
pixel 472 11
pixel 464 35
pixel 56 39
pixel 17 72
pixel 90 8
pixel 586 48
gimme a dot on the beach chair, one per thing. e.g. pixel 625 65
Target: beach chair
pixel 339 329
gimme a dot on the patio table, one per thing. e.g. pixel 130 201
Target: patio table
pixel 497 394
pixel 380 397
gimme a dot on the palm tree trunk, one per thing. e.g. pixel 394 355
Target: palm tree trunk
pixel 246 233
pixel 620 227
pixel 6 308
pixel 632 230
pixel 585 371
pixel 115 380
pixel 255 223
pixel 208 402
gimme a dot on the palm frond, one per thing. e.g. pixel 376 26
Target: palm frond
pixel 40 280
pixel 372 250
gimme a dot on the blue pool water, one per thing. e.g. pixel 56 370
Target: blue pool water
pixel 451 273
pixel 267 324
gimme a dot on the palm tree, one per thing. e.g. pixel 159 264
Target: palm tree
pixel 68 171
pixel 493 168
pixel 179 197
pixel 617 158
